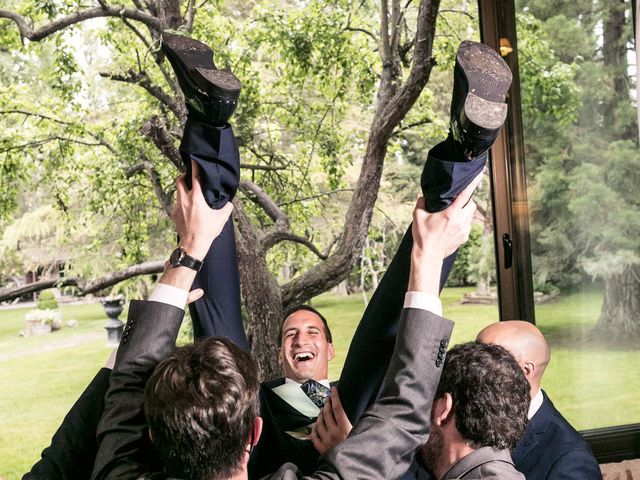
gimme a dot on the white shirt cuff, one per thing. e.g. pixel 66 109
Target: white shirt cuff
pixel 170 295
pixel 423 301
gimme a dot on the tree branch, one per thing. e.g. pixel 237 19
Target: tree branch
pixel 191 14
pixel 389 112
pixel 362 30
pixel 424 121
pixel 146 268
pixel 142 79
pixel 268 168
pixel 37 143
pixel 260 198
pixel 26 31
pixel 313 197
pixel 421 66
pixel 275 236
pixel 156 130
pixel 147 167
pixel 97 137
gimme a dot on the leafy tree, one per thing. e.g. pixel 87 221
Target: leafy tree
pixel 583 164
pixel 97 128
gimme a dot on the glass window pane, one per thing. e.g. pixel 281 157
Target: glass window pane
pixel 577 71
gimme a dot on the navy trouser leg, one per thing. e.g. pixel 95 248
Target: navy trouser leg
pixel 443 178
pixel 373 342
pixel 217 313
pixel 74 445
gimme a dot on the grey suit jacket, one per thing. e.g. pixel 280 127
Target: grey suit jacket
pixel 381 446
pixel 149 335
pixel 485 463
pixel 383 443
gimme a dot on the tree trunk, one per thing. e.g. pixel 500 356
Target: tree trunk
pixel 260 294
pixel 620 314
pixel 614 55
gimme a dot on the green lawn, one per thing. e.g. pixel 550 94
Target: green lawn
pixel 594 383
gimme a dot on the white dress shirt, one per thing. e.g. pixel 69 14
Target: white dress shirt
pixel 536 403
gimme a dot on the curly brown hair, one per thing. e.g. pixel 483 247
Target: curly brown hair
pixel 490 394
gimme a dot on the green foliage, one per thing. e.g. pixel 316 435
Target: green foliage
pixel 468 260
pixel 47 300
pixel 583 156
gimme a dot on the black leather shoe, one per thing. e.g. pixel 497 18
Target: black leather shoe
pixel 211 93
pixel 481 80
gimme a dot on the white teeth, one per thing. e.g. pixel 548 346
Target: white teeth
pixel 303 356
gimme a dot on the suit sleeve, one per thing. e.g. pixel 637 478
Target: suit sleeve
pixel 384 442
pixel 575 465
pixel 124 450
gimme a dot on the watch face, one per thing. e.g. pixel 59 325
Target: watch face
pixel 175 257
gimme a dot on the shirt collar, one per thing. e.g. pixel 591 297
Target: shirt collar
pixel 324 382
pixel 536 403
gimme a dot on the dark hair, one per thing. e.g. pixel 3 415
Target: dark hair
pixel 308 308
pixel 201 403
pixel 490 394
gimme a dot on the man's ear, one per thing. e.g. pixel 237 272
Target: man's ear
pixel 257 430
pixel 529 369
pixel 280 356
pixel 330 352
pixel 442 409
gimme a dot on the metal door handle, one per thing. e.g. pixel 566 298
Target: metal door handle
pixel 507 245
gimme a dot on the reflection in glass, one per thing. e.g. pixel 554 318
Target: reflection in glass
pixel 577 71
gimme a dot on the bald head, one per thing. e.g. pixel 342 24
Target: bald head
pixel 525 342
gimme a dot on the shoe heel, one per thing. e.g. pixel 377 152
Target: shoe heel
pixel 480 115
pixel 219 83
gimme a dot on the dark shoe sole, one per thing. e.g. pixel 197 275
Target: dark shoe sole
pixel 193 64
pixel 219 83
pixel 488 79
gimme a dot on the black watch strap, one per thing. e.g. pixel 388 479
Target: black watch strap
pixel 180 258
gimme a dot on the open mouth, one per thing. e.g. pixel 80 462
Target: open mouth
pixel 303 356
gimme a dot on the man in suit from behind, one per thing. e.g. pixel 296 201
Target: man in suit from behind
pixel 551 449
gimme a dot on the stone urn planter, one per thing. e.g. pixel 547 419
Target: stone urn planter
pixel 113 307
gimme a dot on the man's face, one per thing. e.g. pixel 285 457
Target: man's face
pixel 305 351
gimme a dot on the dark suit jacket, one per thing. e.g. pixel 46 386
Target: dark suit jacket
pixel 486 463
pixel 397 424
pixel 552 449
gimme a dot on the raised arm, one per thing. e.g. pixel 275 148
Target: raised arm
pixel 150 334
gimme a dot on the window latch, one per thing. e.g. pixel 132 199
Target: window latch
pixel 507 246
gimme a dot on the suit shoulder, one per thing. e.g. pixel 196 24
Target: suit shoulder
pixel 495 470
pixel 288 471
pixel 576 463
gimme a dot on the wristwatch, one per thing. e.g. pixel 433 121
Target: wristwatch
pixel 180 258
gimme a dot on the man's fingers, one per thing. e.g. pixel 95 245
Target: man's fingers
pixel 339 414
pixel 328 415
pixel 181 185
pixel 464 196
pixel 195 176
pixel 195 295
pixel 315 439
pixel 226 210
